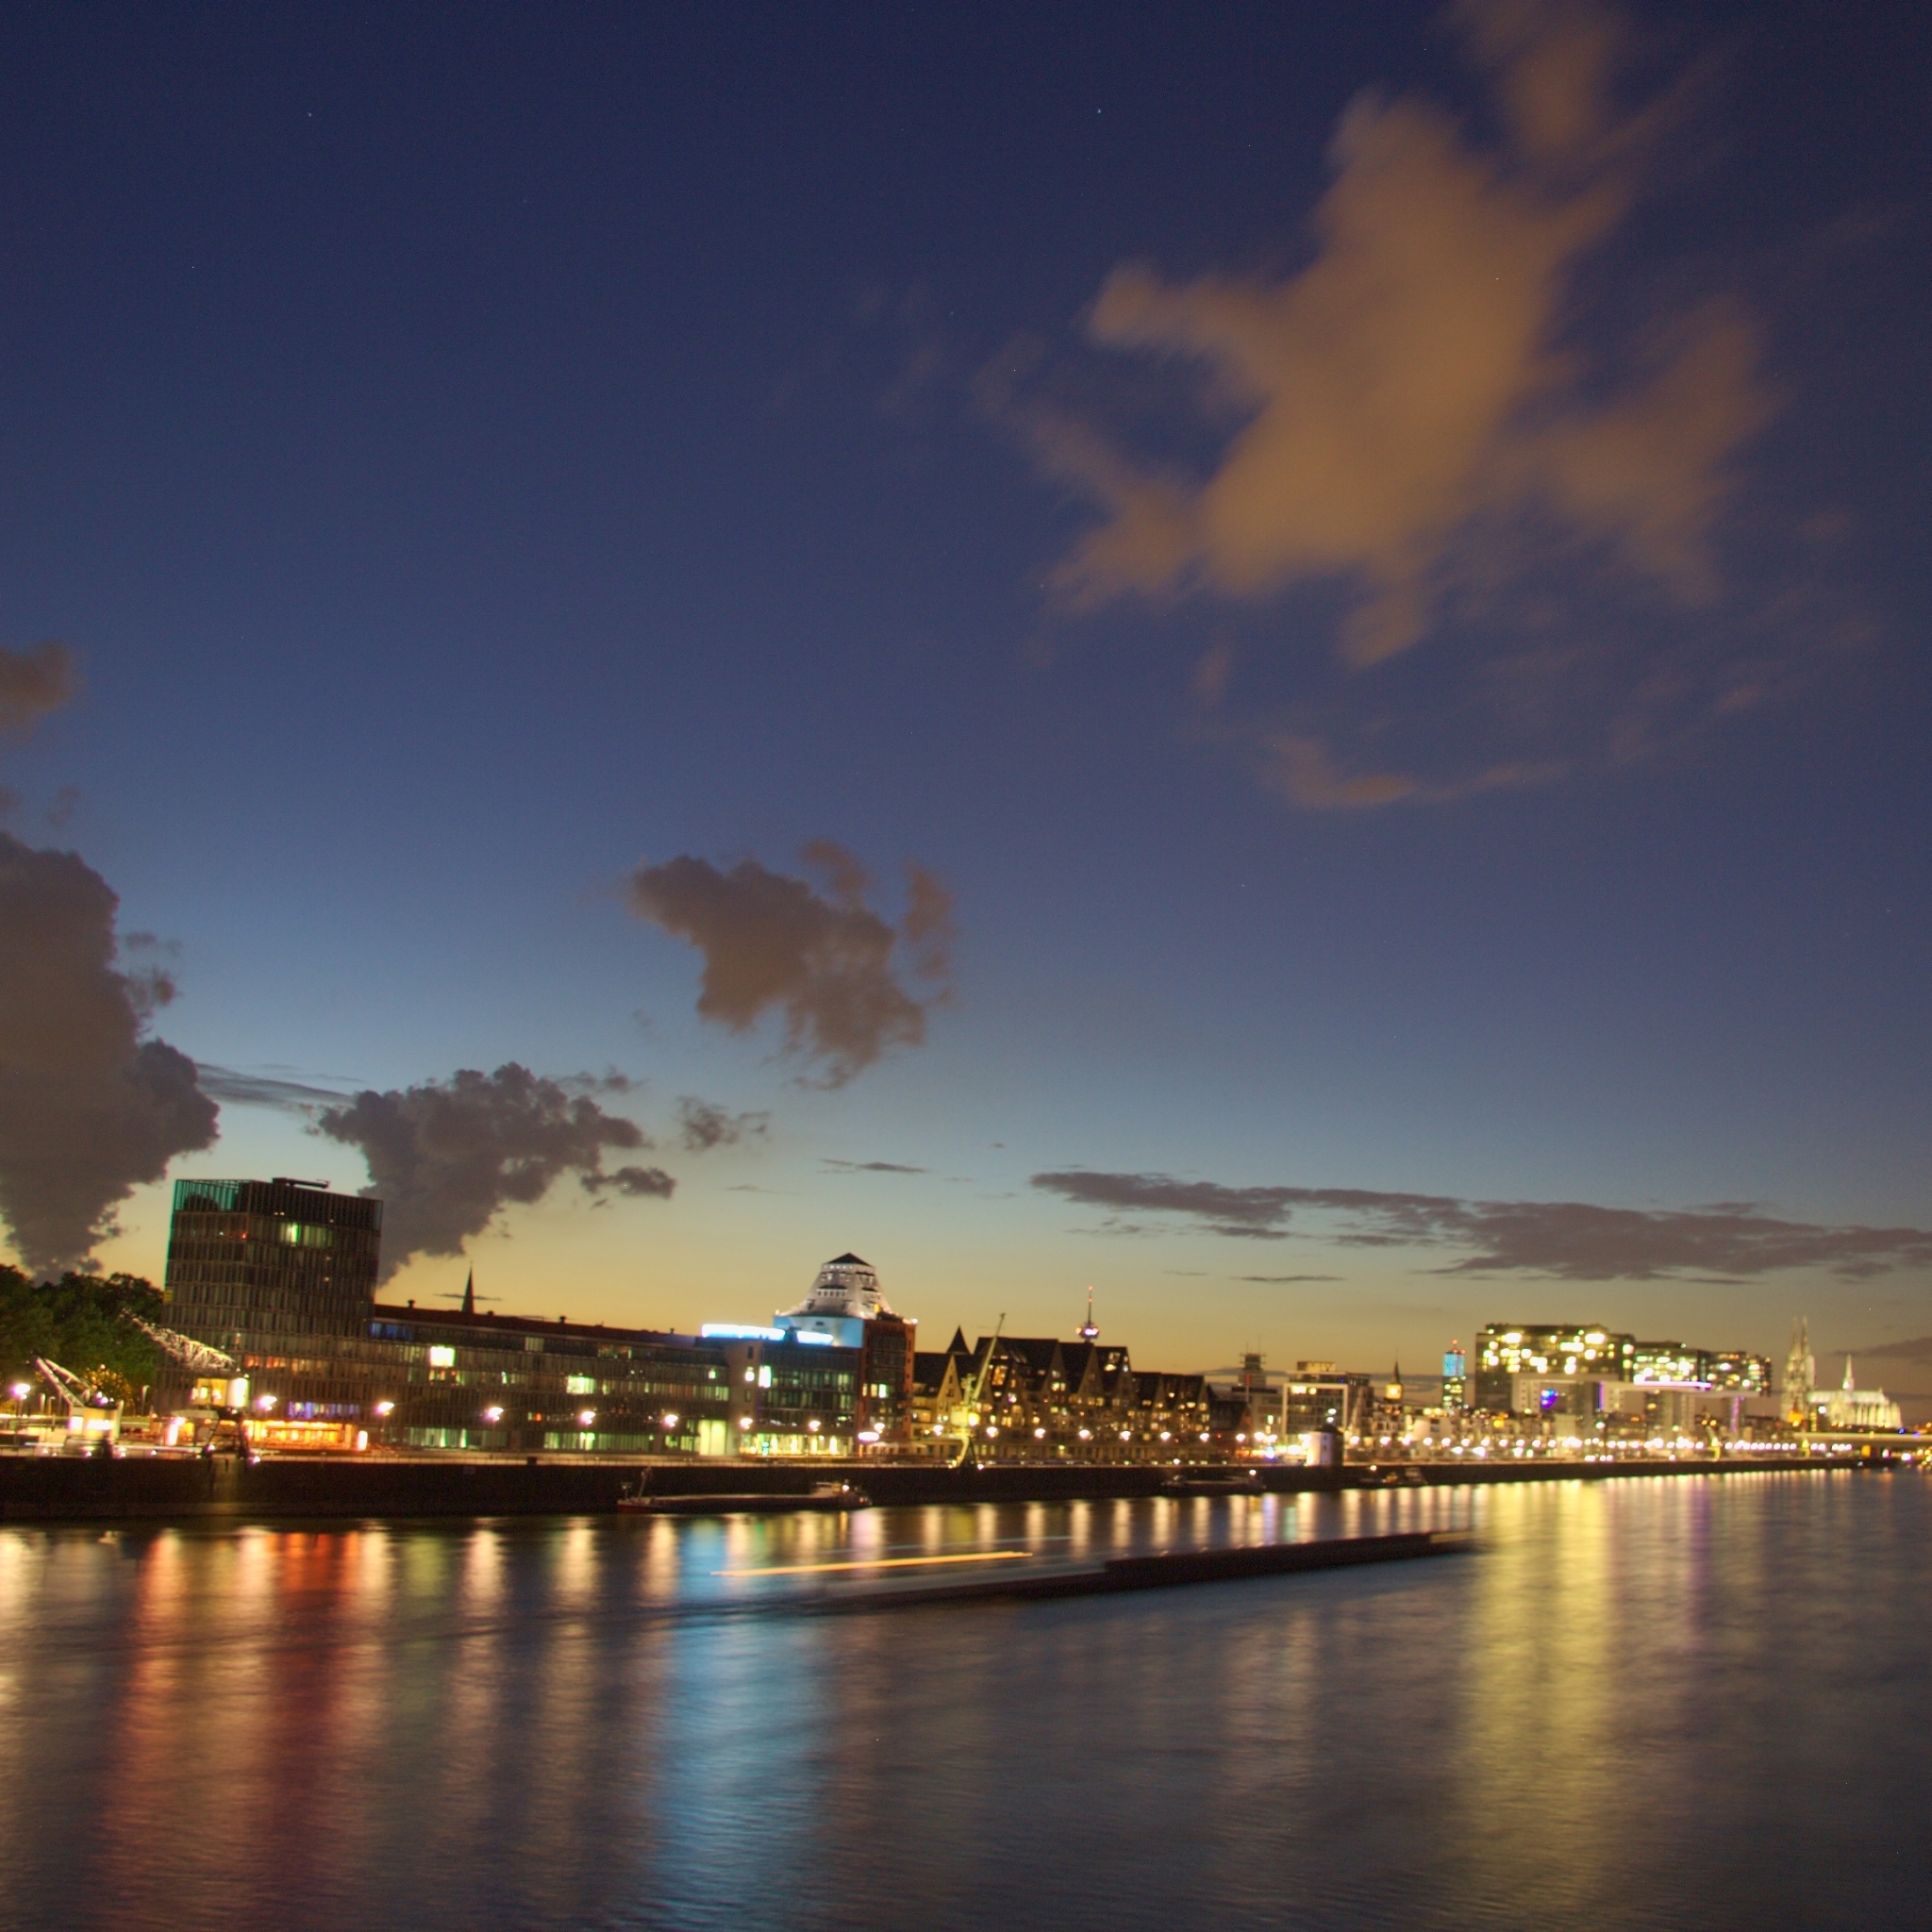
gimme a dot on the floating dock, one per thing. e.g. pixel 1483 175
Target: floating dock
pixel 1167 1570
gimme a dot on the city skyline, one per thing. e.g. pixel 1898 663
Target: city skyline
pixel 1270 662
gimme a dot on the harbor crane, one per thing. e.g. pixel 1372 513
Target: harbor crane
pixel 978 1390
pixel 200 1358
pixel 195 1356
pixel 90 1412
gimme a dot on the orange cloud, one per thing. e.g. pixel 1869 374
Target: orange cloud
pixel 34 682
pixel 1415 391
pixel 1302 770
pixel 830 965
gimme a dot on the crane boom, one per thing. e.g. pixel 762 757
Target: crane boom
pixel 184 1349
pixel 75 1393
pixel 964 1440
pixel 986 1367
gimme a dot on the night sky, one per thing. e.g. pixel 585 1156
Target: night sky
pixel 1273 658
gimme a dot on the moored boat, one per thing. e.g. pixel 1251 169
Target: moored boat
pixel 1234 1483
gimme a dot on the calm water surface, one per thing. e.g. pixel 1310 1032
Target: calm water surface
pixel 1700 1702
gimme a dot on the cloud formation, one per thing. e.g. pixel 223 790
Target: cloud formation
pixel 1566 1241
pixel 90 1108
pixel 870 1167
pixel 701 1127
pixel 446 1156
pixel 34 682
pixel 237 1088
pixel 1430 416
pixel 1412 379
pixel 834 968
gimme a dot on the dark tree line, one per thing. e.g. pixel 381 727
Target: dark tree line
pixel 77 1323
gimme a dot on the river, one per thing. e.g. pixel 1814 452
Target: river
pixel 1687 1701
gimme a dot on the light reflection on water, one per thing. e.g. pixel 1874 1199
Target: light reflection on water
pixel 1687 1701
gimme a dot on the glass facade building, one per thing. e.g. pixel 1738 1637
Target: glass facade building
pixel 1507 1350
pixel 271 1257
pixel 422 1378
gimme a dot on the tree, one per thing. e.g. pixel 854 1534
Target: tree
pixel 80 1323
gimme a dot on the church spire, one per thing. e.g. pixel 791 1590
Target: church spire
pixel 470 1293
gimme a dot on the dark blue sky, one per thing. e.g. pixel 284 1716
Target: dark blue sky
pixel 473 455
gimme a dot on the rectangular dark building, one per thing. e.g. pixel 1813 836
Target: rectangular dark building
pixel 271 1257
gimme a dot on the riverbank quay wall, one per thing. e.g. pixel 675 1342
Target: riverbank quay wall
pixel 54 1490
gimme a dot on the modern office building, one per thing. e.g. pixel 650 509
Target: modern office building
pixel 1505 1351
pixel 846 1306
pixel 1663 1361
pixel 1671 1364
pixel 271 1257
pixel 281 1275
pixel 1455 1378
pixel 1733 1369
pixel 1321 1398
pixel 444 1380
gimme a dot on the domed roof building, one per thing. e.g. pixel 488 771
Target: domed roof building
pixel 847 1307
pixel 847 1289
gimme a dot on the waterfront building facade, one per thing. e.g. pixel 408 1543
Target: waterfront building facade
pixel 1320 1399
pixel 1734 1369
pixel 1503 1352
pixel 270 1257
pixel 846 1306
pixel 1672 1364
pixel 281 1275
pixel 937 1394
pixel 444 1380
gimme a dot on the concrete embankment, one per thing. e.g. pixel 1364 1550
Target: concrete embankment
pixel 163 1490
